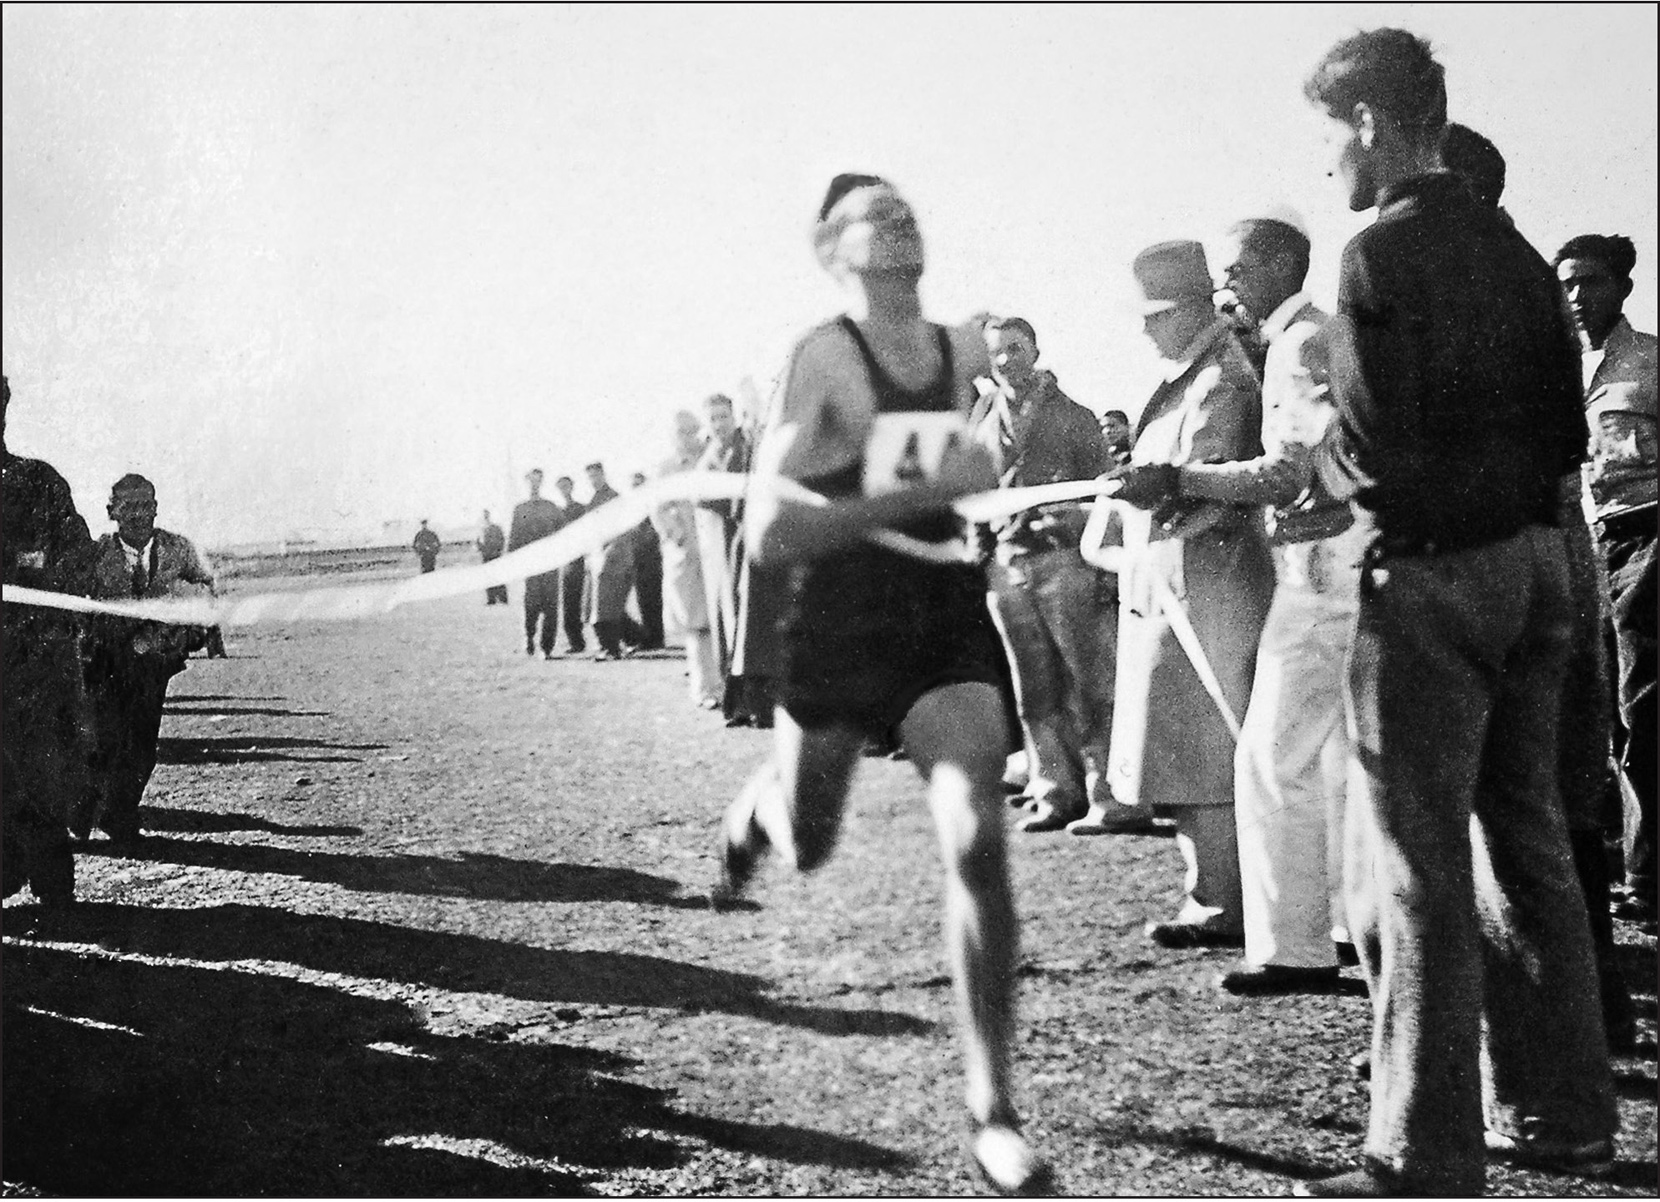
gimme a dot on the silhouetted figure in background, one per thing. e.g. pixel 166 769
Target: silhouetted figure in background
pixel 611 575
pixel 534 519
pixel 573 577
pixel 491 543
pixel 648 582
pixel 426 546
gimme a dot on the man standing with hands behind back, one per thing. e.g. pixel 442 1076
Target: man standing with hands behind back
pixel 1458 397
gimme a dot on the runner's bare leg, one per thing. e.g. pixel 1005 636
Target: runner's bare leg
pixel 955 737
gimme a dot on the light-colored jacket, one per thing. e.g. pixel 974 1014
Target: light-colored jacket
pixel 173 567
pixel 1170 744
pixel 1620 410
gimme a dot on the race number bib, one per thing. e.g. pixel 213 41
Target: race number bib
pixel 907 448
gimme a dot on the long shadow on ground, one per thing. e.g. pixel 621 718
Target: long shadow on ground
pixel 126 1078
pixel 469 874
pixel 174 709
pixel 462 963
pixel 255 749
pixel 201 822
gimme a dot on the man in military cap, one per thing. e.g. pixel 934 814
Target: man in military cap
pixel 1171 745
pixel 45 545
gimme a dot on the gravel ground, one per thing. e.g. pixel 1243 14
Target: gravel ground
pixel 421 915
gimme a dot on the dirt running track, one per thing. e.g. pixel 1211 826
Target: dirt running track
pixel 420 915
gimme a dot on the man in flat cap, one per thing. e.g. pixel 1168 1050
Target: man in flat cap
pixel 1290 767
pixel 1171 745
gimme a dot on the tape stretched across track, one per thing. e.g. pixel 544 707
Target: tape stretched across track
pixel 585 535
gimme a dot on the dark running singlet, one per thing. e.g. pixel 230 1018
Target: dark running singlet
pixel 867 631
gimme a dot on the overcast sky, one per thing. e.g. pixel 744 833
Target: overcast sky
pixel 323 267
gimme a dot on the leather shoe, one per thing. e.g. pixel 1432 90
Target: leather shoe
pixel 1046 818
pixel 1592 1158
pixel 1097 822
pixel 1360 1064
pixel 1347 956
pixel 1191 934
pixel 1269 980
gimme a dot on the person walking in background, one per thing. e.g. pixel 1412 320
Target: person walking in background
pixel 491 543
pixel 1289 770
pixel 685 603
pixel 129 663
pixel 876 640
pixel 534 519
pixel 44 544
pixel 648 582
pixel 573 577
pixel 610 576
pixel 426 547
pixel 1619 373
pixel 1459 410
pixel 1171 745
pixel 1060 637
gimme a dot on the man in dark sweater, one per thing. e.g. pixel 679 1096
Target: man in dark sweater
pixel 1458 397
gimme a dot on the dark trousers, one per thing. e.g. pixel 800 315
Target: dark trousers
pixel 1463 898
pixel 648 591
pixel 43 757
pixel 1584 769
pixel 541 608
pixel 125 705
pixel 573 578
pixel 1627 544
pixel 495 594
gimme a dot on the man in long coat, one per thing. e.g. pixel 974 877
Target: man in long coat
pixel 45 545
pixel 1172 748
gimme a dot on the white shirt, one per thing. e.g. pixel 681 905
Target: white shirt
pixel 1276 322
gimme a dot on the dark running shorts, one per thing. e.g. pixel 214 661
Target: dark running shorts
pixel 867 632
